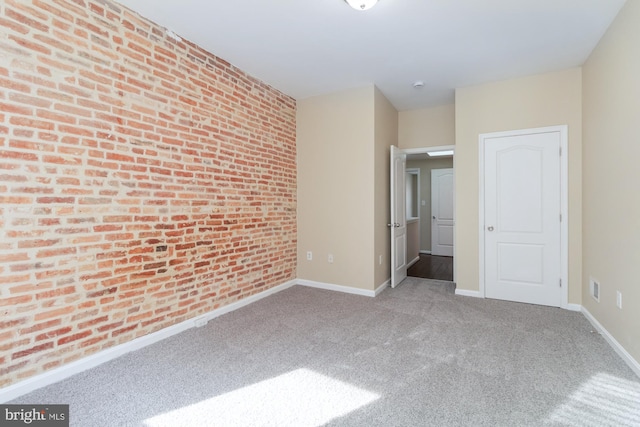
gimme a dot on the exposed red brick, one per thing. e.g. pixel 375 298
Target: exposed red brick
pixel 53 334
pixel 30 351
pixel 74 337
pixel 143 185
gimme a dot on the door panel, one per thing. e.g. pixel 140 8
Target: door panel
pixel 398 223
pixel 442 212
pixel 522 218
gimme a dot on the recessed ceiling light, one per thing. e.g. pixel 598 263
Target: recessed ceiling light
pixel 361 4
pixel 440 153
pixel 418 84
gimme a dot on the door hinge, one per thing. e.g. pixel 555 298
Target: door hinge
pixel 560 217
pixel 560 151
pixel 560 282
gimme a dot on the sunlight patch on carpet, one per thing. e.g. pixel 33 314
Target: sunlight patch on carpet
pixel 297 398
pixel 604 400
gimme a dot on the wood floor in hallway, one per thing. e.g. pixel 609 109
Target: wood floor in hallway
pixel 432 267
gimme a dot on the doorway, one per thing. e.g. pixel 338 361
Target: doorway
pixel 420 260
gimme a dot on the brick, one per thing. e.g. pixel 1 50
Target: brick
pixel 12 301
pixel 53 334
pixel 11 324
pixel 15 26
pixel 32 350
pixel 51 9
pixel 136 188
pixel 74 337
pixel 19 17
pixel 68 200
pixel 53 313
pixel 56 292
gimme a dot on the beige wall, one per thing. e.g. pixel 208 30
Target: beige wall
pixel 427 127
pixel 530 102
pixel 386 134
pixel 611 173
pixel 425 167
pixel 343 187
pixel 413 240
pixel 335 135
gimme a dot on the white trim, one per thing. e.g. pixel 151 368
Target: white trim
pixel 33 383
pixel 413 261
pixel 468 293
pixel 573 307
pixel 382 287
pixel 424 150
pixel 564 204
pixel 564 210
pixel 481 220
pixel 624 354
pixel 426 252
pixel 337 288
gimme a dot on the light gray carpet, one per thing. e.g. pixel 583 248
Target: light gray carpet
pixel 414 356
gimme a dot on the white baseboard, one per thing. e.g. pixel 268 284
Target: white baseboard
pixel 624 354
pixel 23 387
pixel 382 287
pixel 467 293
pixel 573 307
pixel 38 381
pixel 338 288
pixel 425 252
pixel 413 261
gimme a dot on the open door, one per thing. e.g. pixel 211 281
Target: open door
pixel 398 225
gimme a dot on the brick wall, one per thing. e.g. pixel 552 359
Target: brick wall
pixel 143 181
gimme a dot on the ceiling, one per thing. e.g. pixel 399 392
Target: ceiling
pixel 306 48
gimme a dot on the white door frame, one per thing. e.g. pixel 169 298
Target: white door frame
pixel 424 150
pixel 564 203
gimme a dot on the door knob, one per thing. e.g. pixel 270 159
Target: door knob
pixel 490 228
pixel 434 217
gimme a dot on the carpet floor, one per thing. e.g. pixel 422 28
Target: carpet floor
pixel 416 355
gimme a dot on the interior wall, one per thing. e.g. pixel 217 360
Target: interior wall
pixel 143 181
pixel 611 201
pixel 426 166
pixel 386 135
pixel 530 102
pixel 427 127
pixel 336 181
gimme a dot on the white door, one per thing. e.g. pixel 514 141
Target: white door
pixel 522 209
pixel 442 212
pixel 398 223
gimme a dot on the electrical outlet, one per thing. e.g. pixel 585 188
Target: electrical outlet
pixel 330 258
pixel 309 255
pixel 619 299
